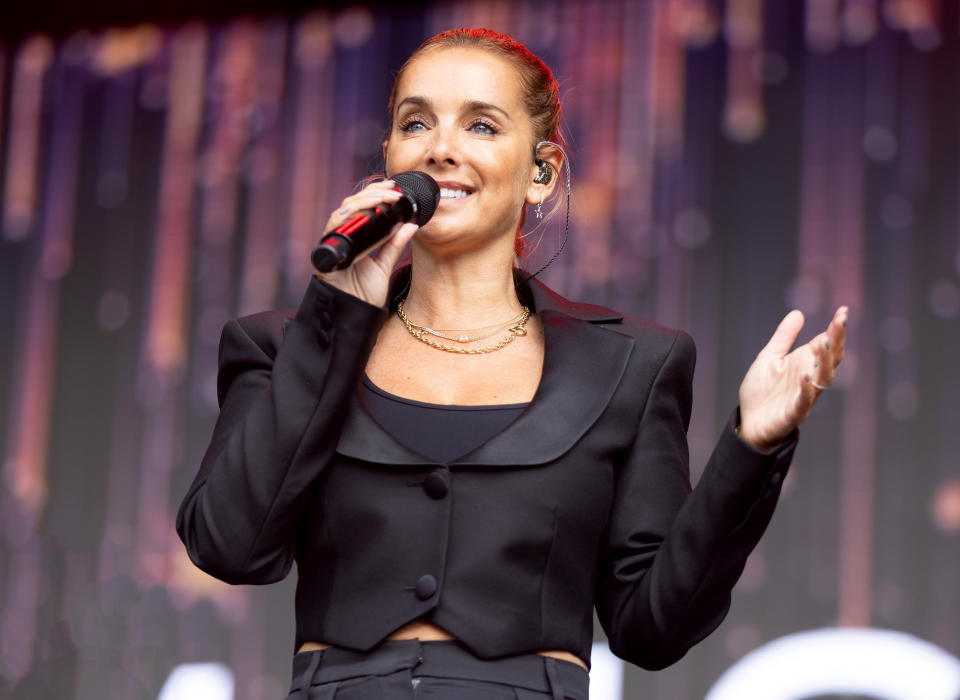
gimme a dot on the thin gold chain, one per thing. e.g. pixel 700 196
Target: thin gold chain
pixel 462 337
pixel 420 333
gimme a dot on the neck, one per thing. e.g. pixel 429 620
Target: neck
pixel 462 292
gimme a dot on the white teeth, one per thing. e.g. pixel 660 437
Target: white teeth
pixel 447 193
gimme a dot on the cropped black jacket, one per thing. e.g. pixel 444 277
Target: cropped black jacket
pixel 584 500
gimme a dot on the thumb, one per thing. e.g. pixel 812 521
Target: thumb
pixel 786 334
pixel 390 251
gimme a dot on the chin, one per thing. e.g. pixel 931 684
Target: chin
pixel 450 227
pixel 437 235
pixel 445 225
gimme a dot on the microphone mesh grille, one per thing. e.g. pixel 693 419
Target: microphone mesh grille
pixel 424 191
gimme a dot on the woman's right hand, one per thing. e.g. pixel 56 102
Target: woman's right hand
pixel 368 278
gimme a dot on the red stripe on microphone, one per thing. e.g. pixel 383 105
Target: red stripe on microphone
pixel 353 225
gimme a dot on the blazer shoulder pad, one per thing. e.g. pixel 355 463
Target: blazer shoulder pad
pixel 593 313
pixel 655 337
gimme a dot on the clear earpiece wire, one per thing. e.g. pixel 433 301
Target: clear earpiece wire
pixel 566 228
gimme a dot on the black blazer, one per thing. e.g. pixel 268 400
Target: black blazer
pixel 585 499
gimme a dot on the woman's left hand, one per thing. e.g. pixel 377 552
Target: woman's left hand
pixel 781 386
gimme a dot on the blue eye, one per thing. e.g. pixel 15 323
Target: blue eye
pixel 412 125
pixel 484 128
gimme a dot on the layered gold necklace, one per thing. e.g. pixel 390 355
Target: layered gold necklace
pixel 515 327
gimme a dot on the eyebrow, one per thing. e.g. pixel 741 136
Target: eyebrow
pixel 470 106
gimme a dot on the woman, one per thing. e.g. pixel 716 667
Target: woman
pixel 455 516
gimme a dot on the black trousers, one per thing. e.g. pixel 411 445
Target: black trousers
pixel 415 670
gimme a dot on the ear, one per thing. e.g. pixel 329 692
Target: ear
pixel 553 157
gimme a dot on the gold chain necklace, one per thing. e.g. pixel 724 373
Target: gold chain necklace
pixel 519 319
pixel 516 327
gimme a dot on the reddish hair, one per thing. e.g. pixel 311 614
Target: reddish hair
pixel 541 93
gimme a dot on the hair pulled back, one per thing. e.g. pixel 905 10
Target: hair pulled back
pixel 541 94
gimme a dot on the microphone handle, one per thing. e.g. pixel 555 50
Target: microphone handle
pixel 363 231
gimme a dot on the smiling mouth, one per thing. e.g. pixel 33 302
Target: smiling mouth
pixel 454 193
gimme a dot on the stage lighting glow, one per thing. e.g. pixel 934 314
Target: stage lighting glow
pixel 206 681
pixel 606 673
pixel 876 663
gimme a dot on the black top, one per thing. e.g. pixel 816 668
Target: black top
pixel 584 499
pixel 437 431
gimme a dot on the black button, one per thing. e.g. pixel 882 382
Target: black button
pixel 326 320
pixel 324 339
pixel 426 587
pixel 435 485
pixel 775 478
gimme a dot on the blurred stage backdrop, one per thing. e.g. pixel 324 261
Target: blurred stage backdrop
pixel 731 160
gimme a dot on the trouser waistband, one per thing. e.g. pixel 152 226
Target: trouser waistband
pixel 441 660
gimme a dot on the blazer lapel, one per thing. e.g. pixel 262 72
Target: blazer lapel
pixel 582 367
pixel 363 438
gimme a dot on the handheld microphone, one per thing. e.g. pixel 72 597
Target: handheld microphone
pixel 337 249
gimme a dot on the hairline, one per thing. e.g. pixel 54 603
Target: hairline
pixel 481 47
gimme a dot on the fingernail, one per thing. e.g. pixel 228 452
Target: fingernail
pixel 806 377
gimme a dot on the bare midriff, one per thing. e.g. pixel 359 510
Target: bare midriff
pixel 428 632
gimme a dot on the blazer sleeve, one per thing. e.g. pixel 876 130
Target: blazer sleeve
pixel 672 556
pixel 282 396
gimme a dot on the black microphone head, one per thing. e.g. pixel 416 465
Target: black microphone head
pixel 423 190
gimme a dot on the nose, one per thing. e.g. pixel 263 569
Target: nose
pixel 444 147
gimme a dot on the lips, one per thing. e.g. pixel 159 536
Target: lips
pixel 454 190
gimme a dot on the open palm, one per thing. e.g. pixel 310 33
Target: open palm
pixel 781 386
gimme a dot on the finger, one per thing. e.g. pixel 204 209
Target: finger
pixel 828 350
pixel 837 333
pixel 828 347
pixel 823 364
pixel 366 199
pixel 390 251
pixel 404 234
pixel 372 195
pixel 786 334
pixel 378 185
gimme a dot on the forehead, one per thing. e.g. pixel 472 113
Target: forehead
pixel 458 75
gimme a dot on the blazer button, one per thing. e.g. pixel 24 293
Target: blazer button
pixel 326 320
pixel 435 485
pixel 426 587
pixel 324 339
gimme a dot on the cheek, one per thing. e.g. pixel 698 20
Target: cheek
pixel 402 155
pixel 505 170
pixel 391 160
pixel 514 197
pixel 521 184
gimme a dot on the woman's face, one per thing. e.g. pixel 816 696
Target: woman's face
pixel 459 116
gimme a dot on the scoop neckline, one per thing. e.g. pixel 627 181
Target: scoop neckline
pixel 368 383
